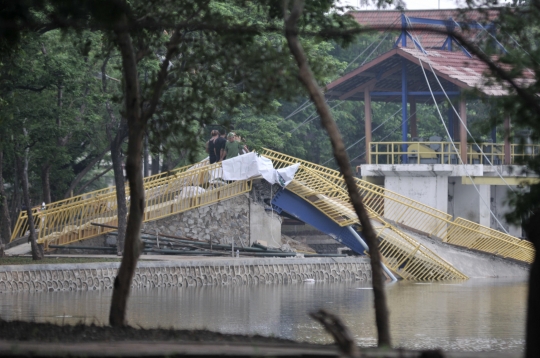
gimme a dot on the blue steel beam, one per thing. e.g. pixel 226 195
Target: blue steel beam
pixel 475 25
pixel 287 201
pixel 416 43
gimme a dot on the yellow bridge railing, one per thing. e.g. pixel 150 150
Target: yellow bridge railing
pixel 165 195
pixel 189 187
pixel 415 216
pixel 445 153
pixel 94 198
pixel 402 254
pixel 477 237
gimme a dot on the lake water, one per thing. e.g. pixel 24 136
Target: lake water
pixel 476 315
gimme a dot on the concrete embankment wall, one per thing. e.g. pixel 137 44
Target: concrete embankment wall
pixel 183 273
pixel 474 264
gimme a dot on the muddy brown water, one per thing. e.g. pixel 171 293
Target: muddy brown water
pixel 476 315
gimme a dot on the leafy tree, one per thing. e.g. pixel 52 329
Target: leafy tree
pixel 212 56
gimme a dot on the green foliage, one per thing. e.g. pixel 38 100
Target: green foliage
pixel 232 66
pixel 518 25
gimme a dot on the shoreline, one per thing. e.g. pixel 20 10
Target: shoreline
pixel 183 272
pixel 30 339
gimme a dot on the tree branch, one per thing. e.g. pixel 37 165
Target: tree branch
pixel 30 88
pixel 81 175
pixel 172 47
pixel 341 333
pixel 308 80
pixel 96 177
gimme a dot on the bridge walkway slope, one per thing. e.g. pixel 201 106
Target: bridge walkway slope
pixel 179 191
pixel 401 253
pixel 404 212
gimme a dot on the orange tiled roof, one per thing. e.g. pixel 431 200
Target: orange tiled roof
pixel 387 20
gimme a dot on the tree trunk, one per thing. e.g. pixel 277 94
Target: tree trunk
pixel 116 157
pixel 15 199
pixel 85 171
pixel 146 162
pixel 23 173
pixel 155 164
pixel 45 183
pixel 167 162
pixel 136 123
pixel 136 126
pixel 96 177
pixel 532 345
pixel 308 80
pixel 316 152
pixel 5 229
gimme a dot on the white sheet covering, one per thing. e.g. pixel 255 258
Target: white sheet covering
pixel 251 165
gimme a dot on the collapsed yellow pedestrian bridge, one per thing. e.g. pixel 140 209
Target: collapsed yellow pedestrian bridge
pixel 317 195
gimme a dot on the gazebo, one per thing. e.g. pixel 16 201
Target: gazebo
pixel 424 67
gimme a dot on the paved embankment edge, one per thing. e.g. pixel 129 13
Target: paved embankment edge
pixel 183 273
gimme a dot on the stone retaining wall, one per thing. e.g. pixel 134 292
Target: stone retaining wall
pixel 222 222
pixel 184 273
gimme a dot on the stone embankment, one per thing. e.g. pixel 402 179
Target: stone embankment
pixel 183 273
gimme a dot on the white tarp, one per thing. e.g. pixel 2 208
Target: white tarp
pixel 251 165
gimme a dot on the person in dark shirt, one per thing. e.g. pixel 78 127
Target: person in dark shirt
pixel 219 145
pixel 211 145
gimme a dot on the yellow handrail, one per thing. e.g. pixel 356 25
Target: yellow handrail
pixel 401 253
pixel 21 226
pixel 445 153
pixel 402 211
pixel 474 236
pixel 164 196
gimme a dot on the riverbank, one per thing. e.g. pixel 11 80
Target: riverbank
pixel 25 339
pixel 54 260
pixel 183 272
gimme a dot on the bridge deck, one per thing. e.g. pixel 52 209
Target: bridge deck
pixel 187 188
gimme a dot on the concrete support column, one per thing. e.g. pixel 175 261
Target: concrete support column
pixel 507 152
pixel 430 190
pixel 471 206
pixel 367 124
pixel 499 196
pixel 414 125
pixel 462 130
pixel 484 205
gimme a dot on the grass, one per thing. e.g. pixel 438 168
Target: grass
pixel 22 260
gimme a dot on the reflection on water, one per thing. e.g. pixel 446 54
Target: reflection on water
pixel 477 315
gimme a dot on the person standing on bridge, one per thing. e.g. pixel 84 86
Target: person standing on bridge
pixel 243 146
pixel 211 147
pixel 220 145
pixel 232 147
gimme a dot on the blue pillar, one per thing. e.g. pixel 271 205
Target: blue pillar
pixel 404 116
pixel 494 135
